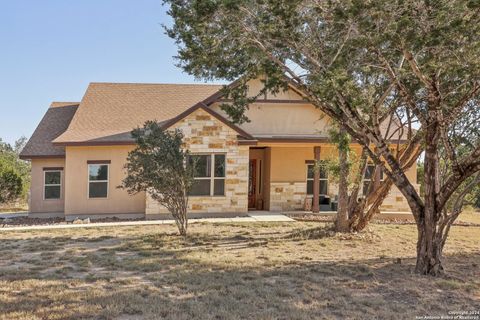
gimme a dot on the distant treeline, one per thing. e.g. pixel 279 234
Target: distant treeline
pixel 14 173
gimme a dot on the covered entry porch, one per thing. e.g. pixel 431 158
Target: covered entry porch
pixel 282 176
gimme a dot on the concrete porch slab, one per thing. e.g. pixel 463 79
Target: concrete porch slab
pixel 269 216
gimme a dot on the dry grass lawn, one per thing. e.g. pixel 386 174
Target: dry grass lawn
pixel 469 216
pixel 232 271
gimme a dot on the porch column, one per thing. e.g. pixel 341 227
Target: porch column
pixel 316 182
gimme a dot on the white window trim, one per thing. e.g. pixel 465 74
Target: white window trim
pixel 52 185
pixel 212 177
pixel 96 181
pixel 321 179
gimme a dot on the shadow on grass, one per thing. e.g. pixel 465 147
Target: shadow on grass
pixel 312 233
pixel 160 276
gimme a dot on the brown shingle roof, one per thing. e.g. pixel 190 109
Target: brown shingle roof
pixel 54 123
pixel 109 111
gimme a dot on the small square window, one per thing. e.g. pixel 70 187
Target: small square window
pixel 202 165
pixel 52 177
pixel 209 175
pixel 219 165
pixel 52 192
pixel 52 185
pixel 368 177
pixel 98 180
pixel 323 182
pixel 98 172
pixel 98 190
pixel 219 187
pixel 200 188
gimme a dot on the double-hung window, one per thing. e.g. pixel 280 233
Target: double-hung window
pixel 98 180
pixel 323 179
pixel 368 178
pixel 209 174
pixel 52 189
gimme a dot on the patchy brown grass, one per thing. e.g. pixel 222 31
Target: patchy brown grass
pixel 232 271
pixel 13 208
pixel 469 216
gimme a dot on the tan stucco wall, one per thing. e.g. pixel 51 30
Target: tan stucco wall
pixel 37 203
pixel 205 134
pixel 282 119
pixel 288 162
pixel 255 85
pixel 76 186
pixel 286 118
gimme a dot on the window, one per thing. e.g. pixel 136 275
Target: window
pixel 98 180
pixel 52 184
pixel 209 175
pixel 323 179
pixel 368 178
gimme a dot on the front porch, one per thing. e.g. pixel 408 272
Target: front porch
pixel 281 177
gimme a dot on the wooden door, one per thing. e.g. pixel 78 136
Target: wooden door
pixel 252 183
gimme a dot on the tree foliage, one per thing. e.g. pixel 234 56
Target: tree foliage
pixel 159 166
pixel 464 136
pixel 14 172
pixel 10 184
pixel 361 63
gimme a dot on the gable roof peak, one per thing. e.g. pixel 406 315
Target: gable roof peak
pixel 59 104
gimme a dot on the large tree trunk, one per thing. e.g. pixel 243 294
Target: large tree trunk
pixel 355 205
pixel 429 251
pixel 429 243
pixel 342 223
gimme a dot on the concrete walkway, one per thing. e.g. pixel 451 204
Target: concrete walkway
pixel 252 217
pixel 16 214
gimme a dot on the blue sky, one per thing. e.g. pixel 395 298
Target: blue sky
pixel 51 49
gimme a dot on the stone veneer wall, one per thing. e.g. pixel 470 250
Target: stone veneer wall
pixel 205 134
pixel 290 196
pixel 287 196
pixel 396 202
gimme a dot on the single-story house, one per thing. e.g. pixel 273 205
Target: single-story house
pixel 79 150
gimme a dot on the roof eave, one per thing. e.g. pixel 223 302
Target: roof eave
pixel 44 156
pixel 93 143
